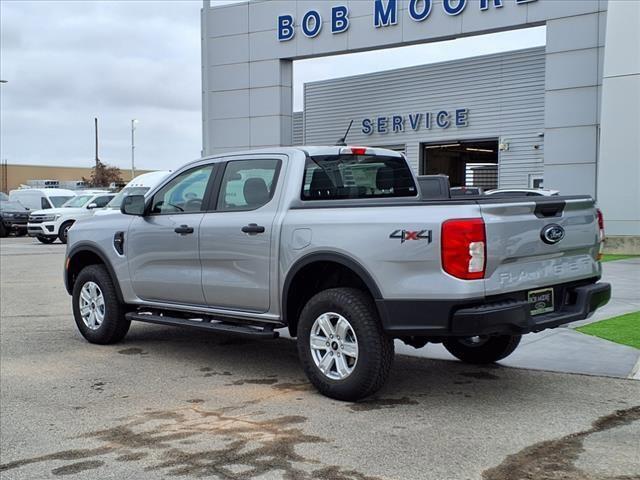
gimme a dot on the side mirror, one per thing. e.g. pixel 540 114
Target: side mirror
pixel 133 205
pixel 91 206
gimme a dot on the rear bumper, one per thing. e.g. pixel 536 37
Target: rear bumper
pixel 506 314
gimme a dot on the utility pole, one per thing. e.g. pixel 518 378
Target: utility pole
pixel 133 147
pixel 96 129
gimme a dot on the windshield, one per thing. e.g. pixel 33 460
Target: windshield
pixel 59 201
pixel 125 192
pixel 77 202
pixel 331 177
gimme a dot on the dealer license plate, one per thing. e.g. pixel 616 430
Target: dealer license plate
pixel 541 301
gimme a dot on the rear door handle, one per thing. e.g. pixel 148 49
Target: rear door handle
pixel 184 230
pixel 253 228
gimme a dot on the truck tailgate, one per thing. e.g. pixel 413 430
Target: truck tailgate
pixel 520 257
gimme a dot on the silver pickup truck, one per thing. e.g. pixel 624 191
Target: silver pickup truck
pixel 338 245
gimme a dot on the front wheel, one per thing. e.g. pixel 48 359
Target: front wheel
pixel 46 240
pixel 64 231
pixel 482 349
pixel 98 313
pixel 4 231
pixel 342 347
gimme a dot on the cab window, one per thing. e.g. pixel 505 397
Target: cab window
pixel 183 194
pixel 248 184
pixel 102 201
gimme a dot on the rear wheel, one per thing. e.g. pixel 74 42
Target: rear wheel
pixel 64 229
pixel 341 345
pixel 482 348
pixel 46 240
pixel 98 313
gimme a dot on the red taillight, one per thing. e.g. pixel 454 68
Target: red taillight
pixel 464 248
pixel 600 232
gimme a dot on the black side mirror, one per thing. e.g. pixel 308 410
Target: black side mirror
pixel 133 205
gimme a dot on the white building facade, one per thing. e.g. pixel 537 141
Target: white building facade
pixel 570 129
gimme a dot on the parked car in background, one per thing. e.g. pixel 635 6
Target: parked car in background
pixel 13 217
pixel 138 186
pixel 521 192
pixel 466 191
pixel 41 198
pixel 47 225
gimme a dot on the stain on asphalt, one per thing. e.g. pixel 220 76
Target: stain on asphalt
pixel 289 387
pixel 210 372
pixel 555 459
pixel 195 400
pixel 132 351
pixel 98 386
pixel 74 468
pixel 66 455
pixel 480 375
pixel 381 403
pixel 131 457
pixel 232 447
pixel 256 381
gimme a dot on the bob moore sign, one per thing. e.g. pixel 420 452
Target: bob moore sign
pixel 415 121
pixel 385 13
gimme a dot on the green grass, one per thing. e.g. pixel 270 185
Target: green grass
pixel 610 257
pixel 624 329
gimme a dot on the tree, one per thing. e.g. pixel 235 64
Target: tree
pixel 102 175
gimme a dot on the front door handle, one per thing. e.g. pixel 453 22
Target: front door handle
pixel 253 228
pixel 184 230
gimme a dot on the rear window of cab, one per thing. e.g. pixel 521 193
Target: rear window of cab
pixel 340 177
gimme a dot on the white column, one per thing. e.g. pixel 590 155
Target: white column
pixel 619 163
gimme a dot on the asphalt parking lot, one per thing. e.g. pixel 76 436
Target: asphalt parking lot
pixel 170 403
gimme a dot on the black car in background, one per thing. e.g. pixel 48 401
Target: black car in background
pixel 13 217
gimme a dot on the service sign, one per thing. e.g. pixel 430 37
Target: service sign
pixel 396 123
pixel 385 14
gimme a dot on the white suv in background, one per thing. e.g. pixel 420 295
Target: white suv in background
pixel 47 225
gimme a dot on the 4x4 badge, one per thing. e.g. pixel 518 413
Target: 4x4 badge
pixel 406 235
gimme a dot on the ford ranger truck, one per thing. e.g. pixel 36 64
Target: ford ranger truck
pixel 337 245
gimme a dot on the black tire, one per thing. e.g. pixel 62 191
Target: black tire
pixel 46 240
pixel 375 348
pixel 114 326
pixel 488 350
pixel 4 231
pixel 64 228
pixel 21 232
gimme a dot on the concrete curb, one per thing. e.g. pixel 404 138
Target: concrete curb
pixel 635 371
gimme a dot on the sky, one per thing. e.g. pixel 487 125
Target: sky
pixel 66 62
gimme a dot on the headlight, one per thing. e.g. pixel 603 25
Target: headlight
pixel 8 215
pixel 49 218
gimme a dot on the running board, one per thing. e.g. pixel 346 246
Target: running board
pixel 264 331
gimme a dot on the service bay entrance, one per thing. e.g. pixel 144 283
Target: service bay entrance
pixel 467 163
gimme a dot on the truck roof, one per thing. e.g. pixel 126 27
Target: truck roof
pixel 310 150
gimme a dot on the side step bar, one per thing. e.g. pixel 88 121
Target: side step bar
pixel 265 331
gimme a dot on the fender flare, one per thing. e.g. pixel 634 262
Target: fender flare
pixel 88 247
pixel 339 258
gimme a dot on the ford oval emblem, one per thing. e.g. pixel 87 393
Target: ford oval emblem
pixel 552 234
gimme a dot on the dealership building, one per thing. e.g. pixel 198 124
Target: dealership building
pixel 564 116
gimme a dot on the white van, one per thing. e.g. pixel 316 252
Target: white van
pixel 41 198
pixel 138 186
